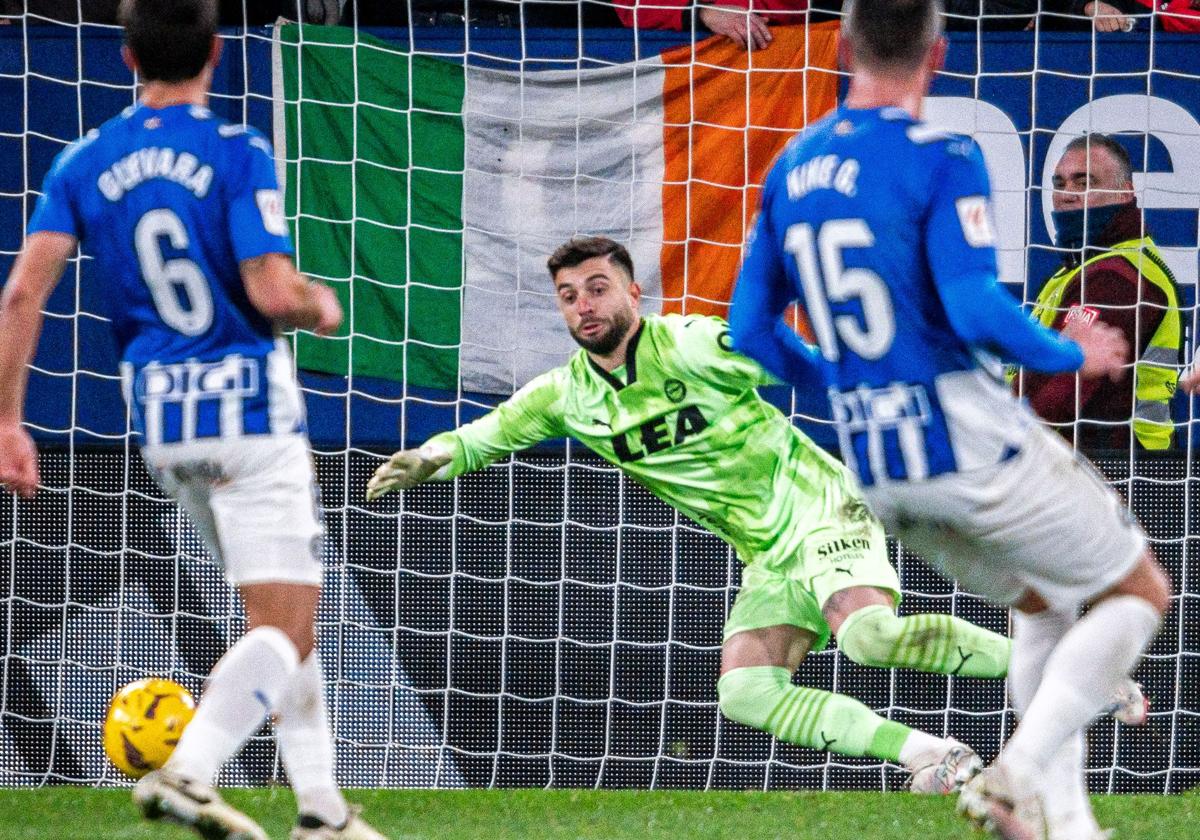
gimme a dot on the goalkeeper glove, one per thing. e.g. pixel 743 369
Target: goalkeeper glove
pixel 407 468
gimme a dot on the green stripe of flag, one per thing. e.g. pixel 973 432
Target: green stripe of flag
pixel 374 150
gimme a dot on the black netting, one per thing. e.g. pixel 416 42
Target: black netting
pixel 535 624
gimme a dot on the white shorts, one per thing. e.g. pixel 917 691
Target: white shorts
pixel 1042 520
pixel 254 500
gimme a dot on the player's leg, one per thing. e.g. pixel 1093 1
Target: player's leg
pixel 247 681
pixel 302 728
pixel 846 560
pixel 244 687
pixel 772 626
pixel 1107 564
pixel 291 532
pixel 870 633
pixel 1065 544
pixel 1065 804
pixel 862 616
pixel 1089 663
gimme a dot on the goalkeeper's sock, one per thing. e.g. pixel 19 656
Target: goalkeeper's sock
pixel 306 746
pixel 243 687
pixel 764 698
pixel 933 642
pixel 1080 676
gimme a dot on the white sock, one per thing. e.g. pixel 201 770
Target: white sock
pixel 1064 798
pixel 1034 639
pixel 241 690
pixel 1086 667
pixel 306 746
pixel 1065 803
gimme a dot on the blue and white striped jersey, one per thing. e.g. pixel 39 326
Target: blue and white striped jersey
pixel 169 201
pixel 881 227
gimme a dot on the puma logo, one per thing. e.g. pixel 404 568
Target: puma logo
pixel 964 656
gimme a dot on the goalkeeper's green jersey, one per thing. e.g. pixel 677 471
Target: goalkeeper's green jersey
pixel 682 417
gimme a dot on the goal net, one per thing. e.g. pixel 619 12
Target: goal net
pixel 544 622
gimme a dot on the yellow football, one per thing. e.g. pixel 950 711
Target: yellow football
pixel 144 722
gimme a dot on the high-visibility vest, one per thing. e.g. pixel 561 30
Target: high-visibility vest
pixel 1157 370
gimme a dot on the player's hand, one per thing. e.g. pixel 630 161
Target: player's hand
pixel 1105 350
pixel 746 29
pixel 329 309
pixel 1189 382
pixel 1108 18
pixel 18 460
pixel 406 468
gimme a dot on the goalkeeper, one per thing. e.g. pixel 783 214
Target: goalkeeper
pixel 666 400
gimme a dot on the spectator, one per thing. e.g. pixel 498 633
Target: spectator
pixel 742 21
pixel 991 14
pixel 746 22
pixel 1175 15
pixel 232 12
pixel 1106 17
pixel 1022 14
pixel 1113 272
pixel 569 14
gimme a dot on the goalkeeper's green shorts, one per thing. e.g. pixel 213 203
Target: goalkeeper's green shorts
pixel 845 551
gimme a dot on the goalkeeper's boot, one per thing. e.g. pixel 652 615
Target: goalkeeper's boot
pixel 945 771
pixel 1002 805
pixel 163 795
pixel 1130 705
pixel 309 827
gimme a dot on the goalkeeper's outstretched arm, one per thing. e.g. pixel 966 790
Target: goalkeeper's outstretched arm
pixel 531 415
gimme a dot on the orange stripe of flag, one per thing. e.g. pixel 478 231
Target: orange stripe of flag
pixel 726 115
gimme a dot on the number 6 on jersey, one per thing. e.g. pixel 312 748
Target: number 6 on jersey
pixel 874 337
pixel 166 279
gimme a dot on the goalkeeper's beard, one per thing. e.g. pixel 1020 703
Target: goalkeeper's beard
pixel 606 342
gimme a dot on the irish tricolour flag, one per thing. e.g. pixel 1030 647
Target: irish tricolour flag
pixel 430 191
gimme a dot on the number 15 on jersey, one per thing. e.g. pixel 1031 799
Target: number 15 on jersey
pixel 826 280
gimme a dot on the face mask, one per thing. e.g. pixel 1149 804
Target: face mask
pixel 1069 225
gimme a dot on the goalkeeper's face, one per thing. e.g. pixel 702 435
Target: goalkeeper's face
pixel 599 302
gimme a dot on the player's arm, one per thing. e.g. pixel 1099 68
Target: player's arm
pixel 263 244
pixel 761 296
pixel 531 415
pixel 34 274
pixel 284 295
pixel 960 246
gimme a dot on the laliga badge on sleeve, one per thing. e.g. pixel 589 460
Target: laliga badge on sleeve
pixel 975 216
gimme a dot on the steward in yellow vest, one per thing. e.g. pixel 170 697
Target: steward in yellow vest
pixel 1121 279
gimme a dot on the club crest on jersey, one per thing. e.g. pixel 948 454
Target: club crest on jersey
pixel 675 390
pixel 856 510
pixel 658 434
pixel 1081 314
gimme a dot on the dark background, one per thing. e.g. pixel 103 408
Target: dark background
pixel 535 624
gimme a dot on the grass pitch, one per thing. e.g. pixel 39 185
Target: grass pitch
pixel 68 813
